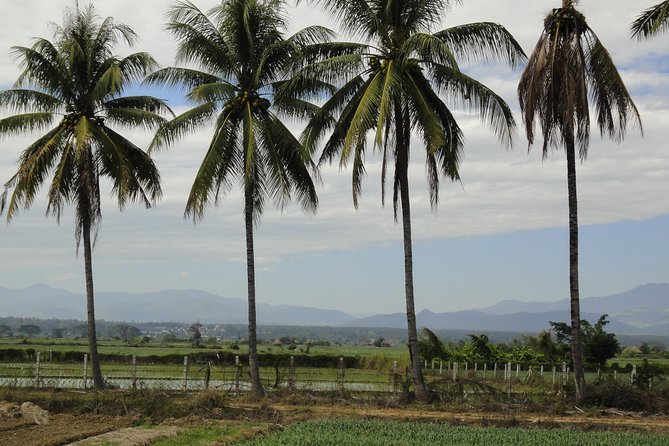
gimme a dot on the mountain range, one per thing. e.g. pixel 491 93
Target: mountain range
pixel 642 310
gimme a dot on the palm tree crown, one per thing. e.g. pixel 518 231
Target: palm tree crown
pixel 77 83
pixel 652 21
pixel 392 86
pixel 241 59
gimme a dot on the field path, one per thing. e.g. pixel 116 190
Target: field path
pixel 130 436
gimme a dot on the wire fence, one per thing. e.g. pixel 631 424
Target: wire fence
pixel 194 376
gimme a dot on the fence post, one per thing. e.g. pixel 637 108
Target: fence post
pixel 485 369
pixel 542 371
pixel 494 373
pixel 455 371
pixel 517 370
pixel 341 373
pixel 466 368
pixel 37 360
pixel 237 373
pixel 185 374
pixel 291 373
pixel 134 371
pixel 441 367
pixel 85 371
pixel 433 365
pixel 632 375
pixel 564 375
pixel 615 375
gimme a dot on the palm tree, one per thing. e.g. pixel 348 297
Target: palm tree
pixel 241 56
pixel 652 21
pixel 568 63
pixel 391 86
pixel 76 83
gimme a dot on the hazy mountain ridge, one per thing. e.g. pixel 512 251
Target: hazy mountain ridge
pixel 644 309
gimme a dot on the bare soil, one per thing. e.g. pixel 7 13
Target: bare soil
pixel 89 430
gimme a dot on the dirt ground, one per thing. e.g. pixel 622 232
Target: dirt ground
pixel 86 430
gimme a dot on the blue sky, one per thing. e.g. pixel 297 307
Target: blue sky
pixel 501 234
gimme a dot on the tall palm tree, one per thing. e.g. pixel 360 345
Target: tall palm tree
pixel 241 57
pixel 76 83
pixel 652 21
pixel 391 86
pixel 568 63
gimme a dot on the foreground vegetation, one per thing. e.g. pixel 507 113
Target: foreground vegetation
pixel 382 433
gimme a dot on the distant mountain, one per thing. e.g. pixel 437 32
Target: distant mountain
pixel 41 301
pixel 642 310
pixel 479 321
pixel 649 297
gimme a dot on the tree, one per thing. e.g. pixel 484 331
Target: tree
pixel 431 347
pixel 598 345
pixel 76 82
pixel 652 21
pixel 126 332
pixel 391 87
pixel 242 58
pixel 568 63
pixel 195 334
pixel 5 330
pixel 29 330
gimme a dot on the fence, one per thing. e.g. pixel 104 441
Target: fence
pixel 234 376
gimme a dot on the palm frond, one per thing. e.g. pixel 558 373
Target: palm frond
pixel 26 122
pixel 483 42
pixel 184 78
pixel 21 100
pixel 171 131
pixel 652 21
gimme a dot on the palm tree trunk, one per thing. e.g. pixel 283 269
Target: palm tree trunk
pixel 90 306
pixel 256 384
pixel 402 137
pixel 576 345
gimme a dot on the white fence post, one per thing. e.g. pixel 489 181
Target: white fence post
pixel 238 373
pixel 37 378
pixel 185 374
pixel 134 371
pixel 85 371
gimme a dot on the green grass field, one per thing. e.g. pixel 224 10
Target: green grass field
pixel 383 433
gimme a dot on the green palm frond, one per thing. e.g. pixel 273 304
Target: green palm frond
pixel 133 117
pixel 146 103
pixel 171 131
pixel 35 163
pixel 429 48
pixel 20 100
pixel 41 67
pixel 221 161
pixel 136 66
pixel 470 94
pixel 25 123
pixel 652 21
pixel 214 92
pixel 185 78
pixel 483 42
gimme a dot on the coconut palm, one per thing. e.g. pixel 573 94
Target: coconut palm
pixel 652 21
pixel 76 83
pixel 569 63
pixel 241 57
pixel 391 86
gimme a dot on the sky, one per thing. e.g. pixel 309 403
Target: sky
pixel 499 234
